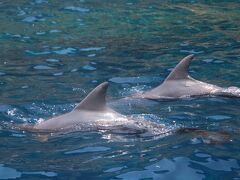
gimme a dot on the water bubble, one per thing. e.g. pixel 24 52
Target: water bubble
pixel 12 112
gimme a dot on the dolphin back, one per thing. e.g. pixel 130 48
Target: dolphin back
pixel 95 100
pixel 181 70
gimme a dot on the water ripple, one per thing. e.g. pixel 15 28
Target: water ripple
pixel 178 168
pixel 10 173
pixel 134 80
pixel 66 51
pixel 42 67
pixel 88 150
pixel 76 9
pixel 88 67
pixel 92 49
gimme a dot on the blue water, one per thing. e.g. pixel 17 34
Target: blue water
pixel 54 52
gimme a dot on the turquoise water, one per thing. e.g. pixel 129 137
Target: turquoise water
pixel 54 52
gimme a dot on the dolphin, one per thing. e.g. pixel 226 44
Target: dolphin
pixel 93 114
pixel 179 84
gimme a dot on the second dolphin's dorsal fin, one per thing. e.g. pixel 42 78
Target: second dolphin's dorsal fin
pixel 181 70
pixel 95 100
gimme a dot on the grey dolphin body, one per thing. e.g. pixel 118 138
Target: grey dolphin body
pixel 180 84
pixel 92 114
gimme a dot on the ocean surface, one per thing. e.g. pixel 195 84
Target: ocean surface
pixel 53 53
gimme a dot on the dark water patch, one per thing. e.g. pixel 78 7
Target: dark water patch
pixel 10 173
pixel 166 169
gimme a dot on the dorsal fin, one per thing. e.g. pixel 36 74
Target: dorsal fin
pixel 95 100
pixel 181 70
